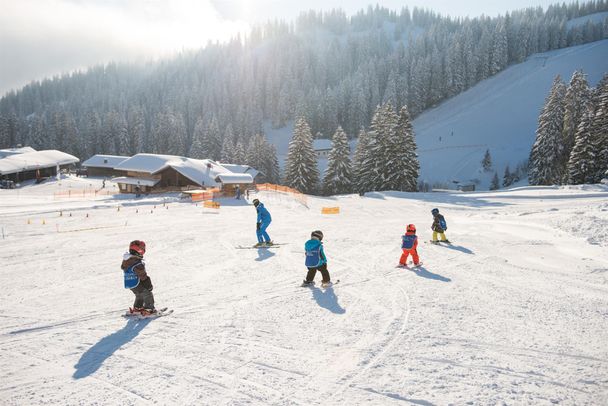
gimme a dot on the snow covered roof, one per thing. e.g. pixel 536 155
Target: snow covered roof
pixel 241 169
pixel 233 178
pixel 136 181
pixel 35 160
pixel 104 161
pixel 321 144
pixel 13 151
pixel 200 171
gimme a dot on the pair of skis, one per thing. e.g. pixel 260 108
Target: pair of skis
pixel 256 247
pixel 165 311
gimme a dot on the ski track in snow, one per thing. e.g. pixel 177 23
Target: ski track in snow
pixel 514 312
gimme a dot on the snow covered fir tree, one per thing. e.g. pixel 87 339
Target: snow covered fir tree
pixel 301 171
pixel 338 177
pixel 571 140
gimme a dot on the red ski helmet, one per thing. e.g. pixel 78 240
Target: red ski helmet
pixel 411 228
pixel 138 246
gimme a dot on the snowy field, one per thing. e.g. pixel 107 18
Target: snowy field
pixel 515 312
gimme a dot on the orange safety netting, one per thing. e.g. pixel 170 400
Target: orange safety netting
pixel 82 193
pixel 299 196
pixel 330 210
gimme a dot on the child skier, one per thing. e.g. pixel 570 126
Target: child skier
pixel 439 227
pixel 137 279
pixel 409 245
pixel 263 221
pixel 316 260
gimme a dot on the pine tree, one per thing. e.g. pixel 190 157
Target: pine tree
pixel 582 166
pixel 495 182
pixel 507 179
pixel 362 178
pixel 197 149
pixel 337 179
pixel 212 141
pixel 136 129
pixel 301 172
pixel 227 155
pixel 599 128
pixel 93 134
pixel 576 101
pixel 486 163
pixel 239 156
pixel 36 136
pixel 405 136
pixel 544 169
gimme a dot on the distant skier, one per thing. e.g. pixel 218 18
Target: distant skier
pixel 238 192
pixel 439 226
pixel 409 245
pixel 263 221
pixel 316 260
pixel 137 279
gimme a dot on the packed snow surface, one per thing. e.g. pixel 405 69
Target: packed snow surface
pixel 514 312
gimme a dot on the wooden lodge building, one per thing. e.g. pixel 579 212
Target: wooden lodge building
pixel 21 166
pixel 151 173
pixel 103 165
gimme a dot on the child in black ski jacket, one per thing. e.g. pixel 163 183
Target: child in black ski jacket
pixel 439 226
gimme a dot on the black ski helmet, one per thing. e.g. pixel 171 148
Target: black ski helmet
pixel 256 202
pixel 435 212
pixel 318 234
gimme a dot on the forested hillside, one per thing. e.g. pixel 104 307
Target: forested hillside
pixel 329 68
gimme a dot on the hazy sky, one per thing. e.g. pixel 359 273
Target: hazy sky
pixel 41 38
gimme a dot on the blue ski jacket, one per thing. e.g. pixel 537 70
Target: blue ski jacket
pixel 315 256
pixel 263 214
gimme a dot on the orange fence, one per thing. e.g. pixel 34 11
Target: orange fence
pixel 211 205
pixel 297 195
pixel 82 193
pixel 330 210
pixel 208 194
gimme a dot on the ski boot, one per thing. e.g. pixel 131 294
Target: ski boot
pixel 327 284
pixel 306 283
pixel 258 245
pixel 135 310
pixel 268 244
pixel 148 312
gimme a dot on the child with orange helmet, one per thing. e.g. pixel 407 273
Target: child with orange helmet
pixel 409 245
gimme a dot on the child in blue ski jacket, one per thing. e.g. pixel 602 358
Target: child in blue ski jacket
pixel 316 260
pixel 262 223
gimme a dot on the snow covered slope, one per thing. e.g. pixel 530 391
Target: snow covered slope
pixel 499 114
pixel 514 312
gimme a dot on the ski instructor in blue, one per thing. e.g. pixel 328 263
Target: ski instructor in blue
pixel 262 224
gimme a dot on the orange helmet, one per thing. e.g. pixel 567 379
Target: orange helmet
pixel 138 246
pixel 411 228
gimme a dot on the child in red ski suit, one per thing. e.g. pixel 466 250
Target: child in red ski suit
pixel 409 245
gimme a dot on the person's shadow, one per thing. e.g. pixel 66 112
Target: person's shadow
pixel 92 359
pixel 327 299
pixel 264 254
pixel 423 272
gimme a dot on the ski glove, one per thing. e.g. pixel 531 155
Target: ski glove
pixel 258 225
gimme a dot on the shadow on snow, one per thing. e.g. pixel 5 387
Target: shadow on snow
pixel 264 254
pixel 425 273
pixel 327 299
pixel 95 356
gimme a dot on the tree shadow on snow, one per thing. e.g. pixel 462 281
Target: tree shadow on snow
pixel 95 356
pixel 327 299
pixel 264 254
pixel 423 272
